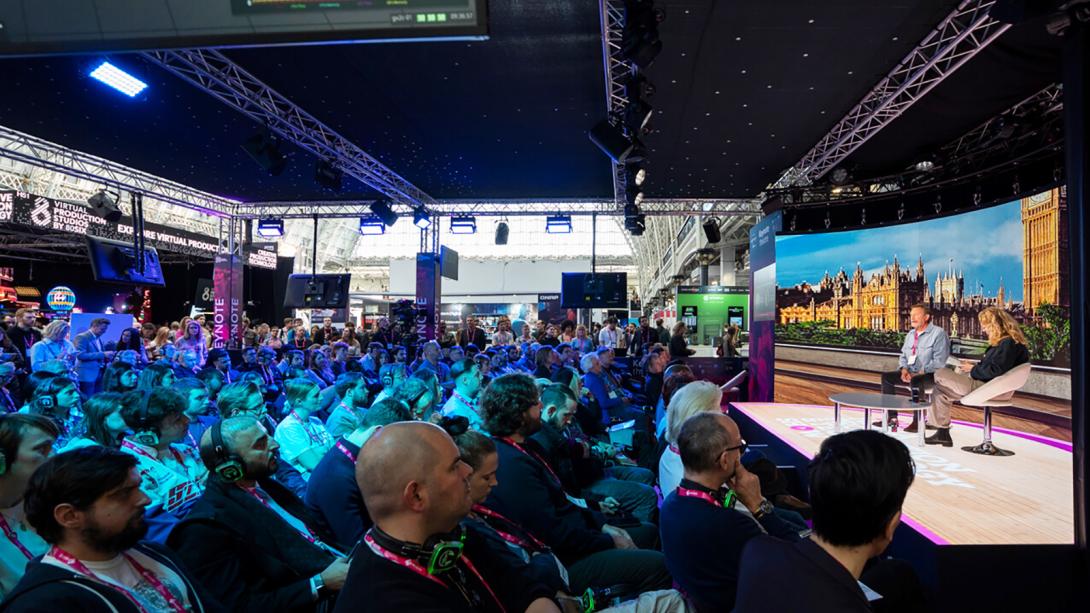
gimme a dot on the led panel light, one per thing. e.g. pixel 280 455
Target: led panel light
pixel 372 226
pixel 421 219
pixel 118 79
pixel 558 224
pixel 463 224
pixel 270 228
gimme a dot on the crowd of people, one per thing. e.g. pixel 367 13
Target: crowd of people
pixel 332 469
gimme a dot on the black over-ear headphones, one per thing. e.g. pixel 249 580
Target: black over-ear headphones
pixel 439 554
pixel 146 433
pixel 229 466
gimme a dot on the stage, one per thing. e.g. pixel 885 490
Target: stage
pixel 958 498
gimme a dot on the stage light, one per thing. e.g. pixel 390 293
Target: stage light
pixel 925 165
pixel 371 226
pixel 463 224
pixel 270 228
pixel 611 140
pixel 118 79
pixel 104 206
pixel 421 219
pixel 384 211
pixel 636 116
pixel 501 233
pixel 633 195
pixel 328 175
pixel 636 174
pixel 840 175
pixel 640 42
pixel 265 150
pixel 635 224
pixel 558 224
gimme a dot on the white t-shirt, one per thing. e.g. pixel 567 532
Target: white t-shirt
pixel 173 479
pixel 671 470
pixel 12 559
pixel 120 574
pixel 296 437
pixel 608 338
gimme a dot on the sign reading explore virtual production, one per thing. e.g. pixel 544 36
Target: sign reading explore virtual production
pixel 46 213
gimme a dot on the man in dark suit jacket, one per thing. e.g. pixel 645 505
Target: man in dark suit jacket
pixel 858 482
pixel 471 334
pixel 250 541
pixel 91 355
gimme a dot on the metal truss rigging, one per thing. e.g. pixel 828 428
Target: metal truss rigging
pixel 42 154
pixel 617 73
pixel 961 35
pixel 213 72
pixel 506 208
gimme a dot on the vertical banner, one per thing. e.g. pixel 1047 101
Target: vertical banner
pixel 762 307
pixel 428 296
pixel 227 301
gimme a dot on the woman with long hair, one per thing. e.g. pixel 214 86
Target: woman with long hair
pixel 728 347
pixel 194 341
pixel 321 371
pixel 119 377
pixel 103 423
pixel 58 399
pixel 161 340
pixel 159 374
pixel 582 343
pixel 54 345
pixel 679 347
pixel 1006 349
pixel 130 340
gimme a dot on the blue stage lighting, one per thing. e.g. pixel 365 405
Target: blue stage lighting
pixel 118 79
pixel 270 228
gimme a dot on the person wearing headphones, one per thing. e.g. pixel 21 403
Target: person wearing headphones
pixel 173 476
pixel 58 399
pixel 26 442
pixel 416 557
pixel 248 539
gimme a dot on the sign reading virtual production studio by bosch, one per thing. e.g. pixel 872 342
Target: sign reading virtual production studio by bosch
pixel 49 214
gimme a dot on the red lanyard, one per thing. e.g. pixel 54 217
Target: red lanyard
pixel 69 560
pixel 348 454
pixel 512 443
pixel 308 428
pixel 138 451
pixel 510 538
pixel 417 568
pixel 253 492
pixel 915 342
pixel 688 493
pixel 8 532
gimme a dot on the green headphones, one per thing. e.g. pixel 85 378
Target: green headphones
pixel 230 466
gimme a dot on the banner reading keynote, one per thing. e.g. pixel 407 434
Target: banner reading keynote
pixel 227 304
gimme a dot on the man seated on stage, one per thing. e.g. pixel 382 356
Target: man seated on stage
pixel 248 538
pixel 858 482
pixel 703 528
pixel 924 351
pixel 88 505
pixel 416 557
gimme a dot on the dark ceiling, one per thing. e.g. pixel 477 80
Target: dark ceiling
pixel 744 90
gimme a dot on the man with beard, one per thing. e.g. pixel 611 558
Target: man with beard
pixel 88 505
pixel 416 557
pixel 531 494
pixel 248 538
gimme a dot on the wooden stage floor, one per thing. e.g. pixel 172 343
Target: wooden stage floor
pixel 958 498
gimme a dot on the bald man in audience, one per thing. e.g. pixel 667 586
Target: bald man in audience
pixel 416 557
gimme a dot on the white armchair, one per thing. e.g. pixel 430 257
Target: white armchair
pixel 995 393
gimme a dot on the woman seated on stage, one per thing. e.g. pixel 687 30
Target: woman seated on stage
pixel 1006 349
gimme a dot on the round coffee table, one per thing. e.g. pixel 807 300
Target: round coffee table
pixel 883 403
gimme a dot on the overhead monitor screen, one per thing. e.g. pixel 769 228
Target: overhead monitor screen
pixel 34 27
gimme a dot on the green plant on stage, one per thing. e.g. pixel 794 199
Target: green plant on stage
pixel 1049 340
